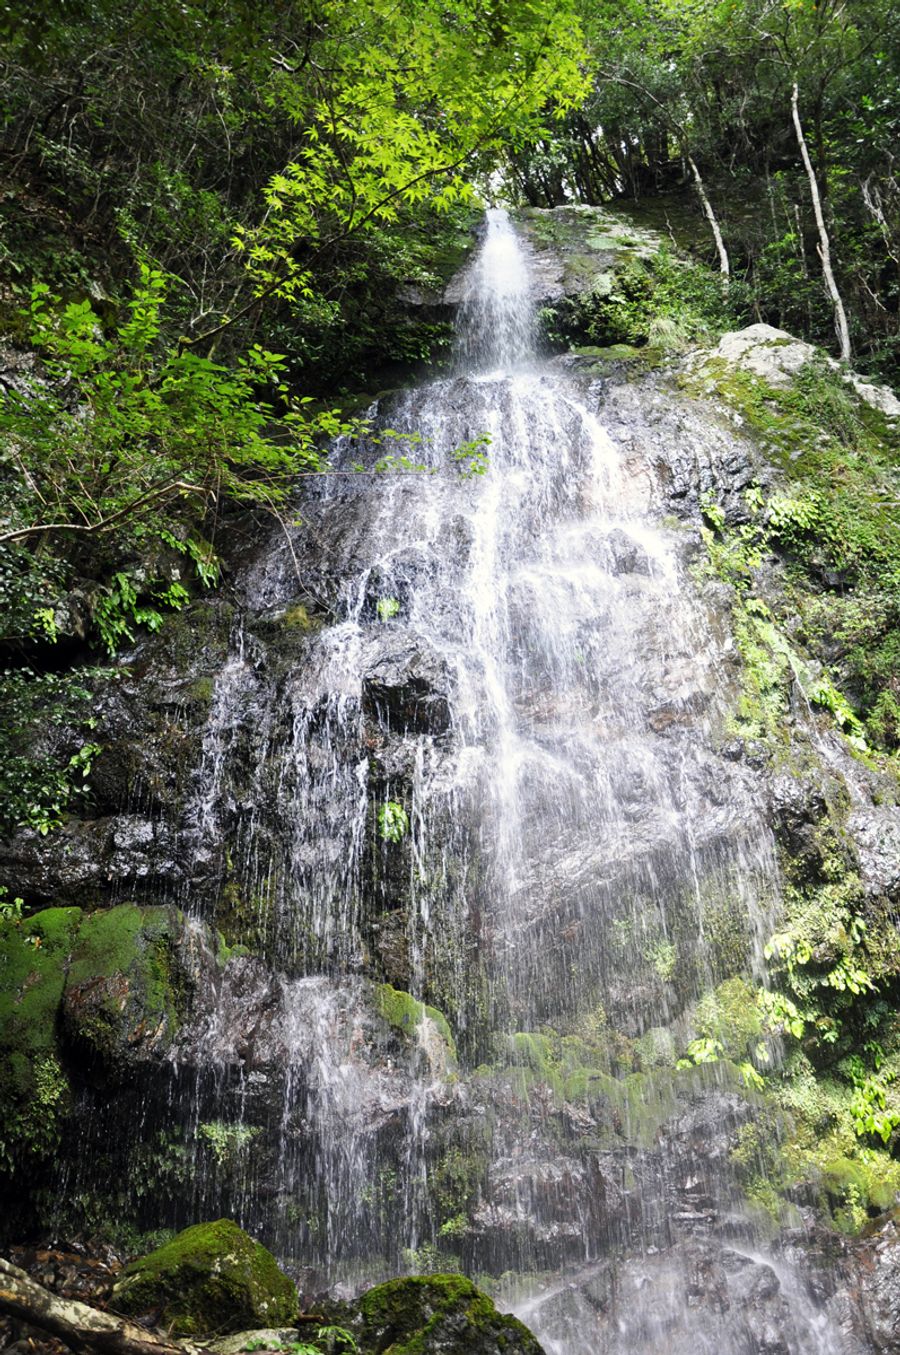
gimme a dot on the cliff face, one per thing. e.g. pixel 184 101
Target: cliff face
pixel 501 871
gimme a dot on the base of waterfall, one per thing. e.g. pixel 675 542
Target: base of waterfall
pixel 213 1277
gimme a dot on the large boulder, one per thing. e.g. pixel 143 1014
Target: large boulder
pixel 439 1315
pixel 212 1277
pixel 126 987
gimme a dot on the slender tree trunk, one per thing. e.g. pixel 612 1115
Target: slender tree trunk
pixel 77 1325
pixel 724 262
pixel 824 247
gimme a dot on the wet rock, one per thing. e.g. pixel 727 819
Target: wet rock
pixel 210 1278
pixel 879 1281
pixel 439 1315
pixel 876 836
pixel 690 1297
pixel 628 557
pixel 83 858
pixel 406 687
pixel 128 986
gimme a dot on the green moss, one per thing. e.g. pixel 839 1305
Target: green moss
pixel 245 919
pixel 299 617
pixel 807 1147
pixel 632 1105
pixel 123 985
pixel 651 299
pixel 210 1278
pixel 202 690
pixel 731 1015
pixel 423 1313
pixel 832 523
pixel 34 1091
pixel 33 960
pixel 405 1014
pixel 455 1179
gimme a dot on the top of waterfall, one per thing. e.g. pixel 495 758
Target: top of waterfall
pixel 496 324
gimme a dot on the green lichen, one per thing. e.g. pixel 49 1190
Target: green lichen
pixel 299 617
pixel 210 1278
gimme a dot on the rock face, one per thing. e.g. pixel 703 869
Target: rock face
pixel 879 1279
pixel 451 853
pixel 210 1278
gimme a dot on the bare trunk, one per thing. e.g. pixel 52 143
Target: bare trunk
pixel 724 262
pixel 79 1326
pixel 824 248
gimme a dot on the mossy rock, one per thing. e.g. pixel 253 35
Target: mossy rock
pixel 33 960
pixel 34 1091
pixel 210 1278
pixel 439 1315
pixel 414 1020
pixel 126 986
pixel 98 991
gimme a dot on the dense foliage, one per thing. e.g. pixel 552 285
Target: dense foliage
pixel 690 96
pixel 181 181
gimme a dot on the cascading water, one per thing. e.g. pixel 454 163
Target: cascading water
pixel 492 779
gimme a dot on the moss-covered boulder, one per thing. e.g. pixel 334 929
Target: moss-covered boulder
pixel 210 1278
pixel 439 1315
pixel 126 986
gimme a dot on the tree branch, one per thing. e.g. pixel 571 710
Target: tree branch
pixel 103 524
pixel 824 246
pixel 80 1327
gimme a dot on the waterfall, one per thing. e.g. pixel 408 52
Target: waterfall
pixel 484 765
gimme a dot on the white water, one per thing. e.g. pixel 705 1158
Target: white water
pixel 569 816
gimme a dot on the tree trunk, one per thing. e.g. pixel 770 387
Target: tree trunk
pixel 79 1326
pixel 824 247
pixel 724 262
